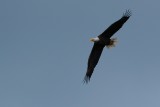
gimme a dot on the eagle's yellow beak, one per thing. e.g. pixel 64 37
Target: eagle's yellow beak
pixel 92 40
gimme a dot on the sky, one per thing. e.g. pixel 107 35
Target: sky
pixel 44 48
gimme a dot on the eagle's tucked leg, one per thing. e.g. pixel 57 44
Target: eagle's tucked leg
pixel 112 43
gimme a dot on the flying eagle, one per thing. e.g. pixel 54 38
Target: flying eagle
pixel 103 40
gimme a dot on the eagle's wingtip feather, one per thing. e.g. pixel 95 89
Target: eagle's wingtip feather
pixel 127 13
pixel 86 79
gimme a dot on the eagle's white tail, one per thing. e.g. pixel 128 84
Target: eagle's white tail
pixel 113 42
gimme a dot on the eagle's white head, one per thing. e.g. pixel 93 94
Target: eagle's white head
pixel 96 39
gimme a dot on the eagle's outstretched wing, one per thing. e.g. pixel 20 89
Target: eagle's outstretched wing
pixel 93 60
pixel 115 26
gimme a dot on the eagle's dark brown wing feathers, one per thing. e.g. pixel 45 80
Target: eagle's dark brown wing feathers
pixel 112 29
pixel 93 60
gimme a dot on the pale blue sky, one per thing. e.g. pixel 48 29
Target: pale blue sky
pixel 44 48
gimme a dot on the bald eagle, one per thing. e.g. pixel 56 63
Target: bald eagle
pixel 103 40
